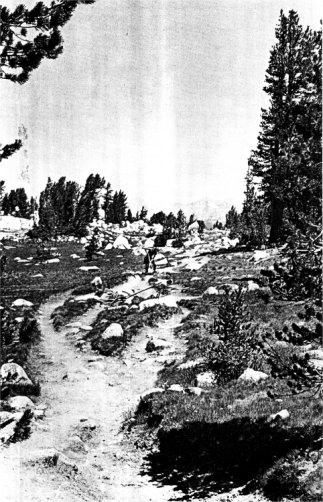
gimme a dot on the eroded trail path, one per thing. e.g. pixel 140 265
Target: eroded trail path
pixel 87 397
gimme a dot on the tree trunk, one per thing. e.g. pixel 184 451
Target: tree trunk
pixel 277 208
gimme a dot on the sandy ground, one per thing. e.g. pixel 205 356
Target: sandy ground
pixel 82 390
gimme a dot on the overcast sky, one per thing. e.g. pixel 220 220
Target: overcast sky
pixel 162 97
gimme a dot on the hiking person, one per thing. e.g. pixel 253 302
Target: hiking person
pixel 149 260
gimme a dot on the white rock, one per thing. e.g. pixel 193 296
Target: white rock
pixel 252 286
pixel 7 431
pixel 89 269
pixel 154 390
pixel 317 363
pixel 20 302
pixel 37 275
pixel 108 246
pixel 5 415
pixel 74 324
pixel 75 256
pixel 233 287
pixel 316 354
pixel 97 282
pixel 211 291
pixel 115 329
pixel 176 388
pixel 197 391
pixel 205 379
pixel 190 364
pixel 149 243
pixel 121 242
pixel 283 415
pixel 168 300
pixel 193 279
pixel 86 328
pixel 20 403
pixel 52 260
pixel 12 372
pixel 250 375
pixel 158 228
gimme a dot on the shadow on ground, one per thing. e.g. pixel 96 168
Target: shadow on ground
pixel 201 459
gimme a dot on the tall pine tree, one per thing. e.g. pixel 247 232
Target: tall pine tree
pixel 288 155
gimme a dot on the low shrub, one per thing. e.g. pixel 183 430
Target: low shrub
pixel 237 346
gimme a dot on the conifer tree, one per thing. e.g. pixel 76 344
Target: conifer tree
pixel 107 203
pixel 30 35
pixel 232 218
pixel 143 213
pixel 48 220
pixel 159 218
pixel 87 208
pixel 119 207
pixel 129 216
pixel 2 194
pixel 181 223
pixel 287 159
pixel 27 37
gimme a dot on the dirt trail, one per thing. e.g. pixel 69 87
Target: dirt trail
pixel 84 390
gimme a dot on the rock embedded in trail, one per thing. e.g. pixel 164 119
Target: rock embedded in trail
pixel 168 301
pixel 155 344
pixel 20 403
pixel 115 329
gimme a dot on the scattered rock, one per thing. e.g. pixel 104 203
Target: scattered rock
pixel 190 364
pixel 8 425
pixel 250 375
pixel 206 379
pixel 156 344
pixel 281 415
pixel 115 329
pixel 20 403
pixel 89 269
pixel 211 291
pixel 252 286
pixel 197 391
pixel 97 282
pixel 20 302
pixel 168 300
pixel 121 242
pixel 154 390
pixel 176 388
pixel 13 373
